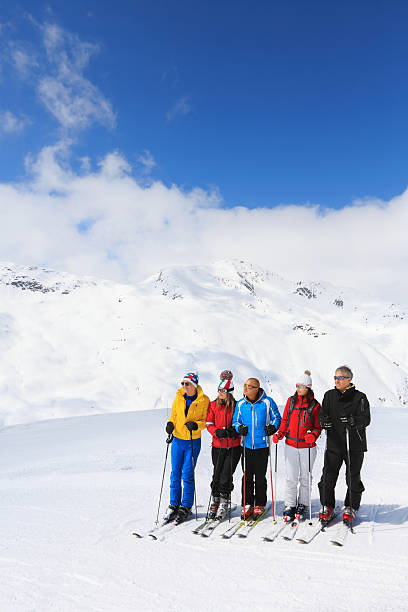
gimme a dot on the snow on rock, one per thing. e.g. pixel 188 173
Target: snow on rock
pixel 72 346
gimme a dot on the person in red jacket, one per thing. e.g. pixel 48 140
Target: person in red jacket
pixel 226 446
pixel 300 425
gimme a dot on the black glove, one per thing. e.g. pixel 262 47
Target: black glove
pixel 232 432
pixel 221 433
pixel 349 421
pixel 325 422
pixel 269 429
pixel 191 425
pixel 243 430
pixel 169 427
pixel 169 439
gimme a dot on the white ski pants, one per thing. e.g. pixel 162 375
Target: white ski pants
pixel 297 473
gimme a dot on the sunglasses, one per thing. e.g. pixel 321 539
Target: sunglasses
pixel 341 377
pixel 250 386
pixel 185 384
pixel 222 391
pixel 300 386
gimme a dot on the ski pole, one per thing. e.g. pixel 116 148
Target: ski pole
pixel 215 476
pixel 310 490
pixel 244 479
pixel 349 467
pixel 168 441
pixel 276 474
pixel 324 479
pixel 192 463
pixel 270 471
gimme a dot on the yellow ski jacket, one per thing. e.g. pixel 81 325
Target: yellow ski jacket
pixel 197 412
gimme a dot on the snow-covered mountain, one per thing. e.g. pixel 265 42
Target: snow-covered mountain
pixel 74 346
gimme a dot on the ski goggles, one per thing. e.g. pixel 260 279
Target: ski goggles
pixel 341 377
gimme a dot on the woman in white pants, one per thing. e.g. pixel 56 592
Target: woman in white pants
pixel 300 425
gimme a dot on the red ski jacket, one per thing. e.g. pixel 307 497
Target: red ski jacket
pixel 300 422
pixel 220 418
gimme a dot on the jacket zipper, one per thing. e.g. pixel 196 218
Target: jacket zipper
pixel 253 443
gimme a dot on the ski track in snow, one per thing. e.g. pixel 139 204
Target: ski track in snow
pixel 67 511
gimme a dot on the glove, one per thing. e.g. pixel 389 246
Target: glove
pixel 232 432
pixel 326 423
pixel 310 438
pixel 191 425
pixel 277 436
pixel 221 433
pixel 349 421
pixel 243 430
pixel 269 429
pixel 169 427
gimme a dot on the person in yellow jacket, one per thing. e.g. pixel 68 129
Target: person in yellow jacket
pixel 187 420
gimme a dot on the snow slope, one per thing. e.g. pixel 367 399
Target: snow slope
pixel 72 346
pixel 73 489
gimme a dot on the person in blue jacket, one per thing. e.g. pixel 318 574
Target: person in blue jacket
pixel 256 417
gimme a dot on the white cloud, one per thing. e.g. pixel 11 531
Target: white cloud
pixel 147 160
pixel 70 97
pixel 11 124
pixel 180 108
pixel 23 60
pixel 138 229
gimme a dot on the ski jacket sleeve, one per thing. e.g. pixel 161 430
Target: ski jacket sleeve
pixel 283 428
pixel 237 418
pixel 324 410
pixel 316 428
pixel 275 416
pixel 211 427
pixel 200 415
pixel 363 415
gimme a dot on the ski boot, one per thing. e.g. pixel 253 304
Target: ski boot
pixel 214 507
pixel 258 511
pixel 289 513
pixel 171 513
pixel 326 514
pixel 222 508
pixel 348 515
pixel 247 512
pixel 300 512
pixel 182 514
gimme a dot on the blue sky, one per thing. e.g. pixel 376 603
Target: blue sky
pixel 270 102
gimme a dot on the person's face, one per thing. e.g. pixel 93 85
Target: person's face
pixel 341 381
pixel 189 388
pixel 251 389
pixel 222 394
pixel 301 389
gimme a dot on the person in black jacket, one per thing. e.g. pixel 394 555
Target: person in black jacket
pixel 345 414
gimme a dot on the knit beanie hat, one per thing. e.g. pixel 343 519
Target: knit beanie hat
pixel 305 379
pixel 227 384
pixel 191 377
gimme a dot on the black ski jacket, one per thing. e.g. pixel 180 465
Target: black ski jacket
pixel 337 404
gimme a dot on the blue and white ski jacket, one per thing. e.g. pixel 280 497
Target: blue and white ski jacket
pixel 256 416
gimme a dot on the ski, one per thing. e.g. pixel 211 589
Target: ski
pixel 249 525
pixel 201 526
pixel 233 529
pixel 289 534
pixel 277 529
pixel 340 536
pixel 213 524
pixel 155 531
pixel 311 531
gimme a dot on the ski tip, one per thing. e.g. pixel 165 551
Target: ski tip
pixel 336 543
pixel 152 536
pixel 137 535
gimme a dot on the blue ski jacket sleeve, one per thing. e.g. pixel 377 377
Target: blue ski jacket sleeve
pixel 255 416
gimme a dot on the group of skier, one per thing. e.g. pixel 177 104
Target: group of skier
pixel 245 429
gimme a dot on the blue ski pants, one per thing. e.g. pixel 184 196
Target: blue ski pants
pixel 182 470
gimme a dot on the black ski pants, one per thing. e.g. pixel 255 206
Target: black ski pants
pixel 256 462
pixel 225 460
pixel 332 464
